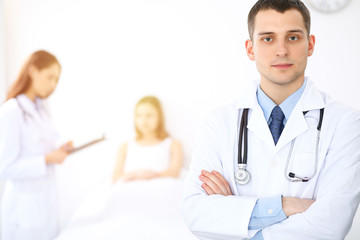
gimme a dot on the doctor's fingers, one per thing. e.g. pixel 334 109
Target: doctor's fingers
pixel 61 156
pixel 216 184
pixel 212 185
pixel 57 156
pixel 218 175
pixel 207 189
pixel 68 146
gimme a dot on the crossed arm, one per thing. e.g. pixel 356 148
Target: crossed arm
pixel 212 212
pixel 215 183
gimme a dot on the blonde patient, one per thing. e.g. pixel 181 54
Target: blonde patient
pixel 152 154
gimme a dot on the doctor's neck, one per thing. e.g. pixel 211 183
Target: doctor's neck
pixel 279 91
pixel 31 94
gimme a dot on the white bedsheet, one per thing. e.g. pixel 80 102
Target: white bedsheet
pixel 133 210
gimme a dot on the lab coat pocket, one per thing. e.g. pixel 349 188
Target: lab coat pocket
pixel 303 165
pixel 31 211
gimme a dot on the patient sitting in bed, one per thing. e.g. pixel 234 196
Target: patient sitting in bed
pixel 152 153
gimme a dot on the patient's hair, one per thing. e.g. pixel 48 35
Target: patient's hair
pixel 279 6
pixel 154 101
pixel 40 59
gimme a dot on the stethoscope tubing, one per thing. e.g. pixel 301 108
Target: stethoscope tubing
pixel 243 140
pixel 242 159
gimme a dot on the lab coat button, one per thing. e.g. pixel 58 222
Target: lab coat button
pixel 270 211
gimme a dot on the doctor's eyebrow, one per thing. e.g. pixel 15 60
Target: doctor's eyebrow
pixel 265 33
pixel 297 31
pixel 290 31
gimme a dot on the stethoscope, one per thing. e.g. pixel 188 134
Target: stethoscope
pixel 242 176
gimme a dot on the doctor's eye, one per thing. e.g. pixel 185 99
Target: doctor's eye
pixel 293 38
pixel 267 39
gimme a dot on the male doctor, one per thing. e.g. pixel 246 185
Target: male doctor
pixel 301 186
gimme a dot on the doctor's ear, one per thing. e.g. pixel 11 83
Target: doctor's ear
pixel 249 49
pixel 311 45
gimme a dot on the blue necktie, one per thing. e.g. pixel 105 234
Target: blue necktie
pixel 276 126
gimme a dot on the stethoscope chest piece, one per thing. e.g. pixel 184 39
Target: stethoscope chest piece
pixel 242 176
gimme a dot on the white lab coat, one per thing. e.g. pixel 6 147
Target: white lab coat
pixel 29 205
pixel 336 185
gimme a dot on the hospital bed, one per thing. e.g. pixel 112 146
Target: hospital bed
pixel 99 209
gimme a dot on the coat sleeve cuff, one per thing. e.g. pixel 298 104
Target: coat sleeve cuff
pixel 267 211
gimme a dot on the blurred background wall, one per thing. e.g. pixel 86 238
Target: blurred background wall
pixel 2 52
pixel 2 64
pixel 189 53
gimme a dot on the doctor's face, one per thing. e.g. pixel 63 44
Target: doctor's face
pixel 280 47
pixel 44 81
pixel 146 118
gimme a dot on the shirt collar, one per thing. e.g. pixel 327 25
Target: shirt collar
pixel 286 106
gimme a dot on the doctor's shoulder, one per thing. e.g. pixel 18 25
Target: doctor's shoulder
pixel 340 115
pixel 222 115
pixel 10 111
pixel 219 122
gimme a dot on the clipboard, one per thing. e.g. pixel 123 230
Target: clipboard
pixel 88 144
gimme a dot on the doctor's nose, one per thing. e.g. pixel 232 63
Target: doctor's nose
pixel 281 49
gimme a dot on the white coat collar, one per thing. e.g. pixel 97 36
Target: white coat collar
pixel 311 99
pixel 29 106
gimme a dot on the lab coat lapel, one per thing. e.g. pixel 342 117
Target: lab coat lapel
pixel 26 104
pixel 258 125
pixel 296 125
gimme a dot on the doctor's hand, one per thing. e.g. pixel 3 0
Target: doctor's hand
pixel 57 156
pixel 69 146
pixel 214 183
pixel 293 205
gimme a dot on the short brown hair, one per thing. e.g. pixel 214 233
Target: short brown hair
pixel 279 6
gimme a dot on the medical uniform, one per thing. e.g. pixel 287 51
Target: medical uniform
pixel 29 205
pixel 335 186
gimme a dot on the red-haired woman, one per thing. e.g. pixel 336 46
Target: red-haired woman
pixel 28 153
